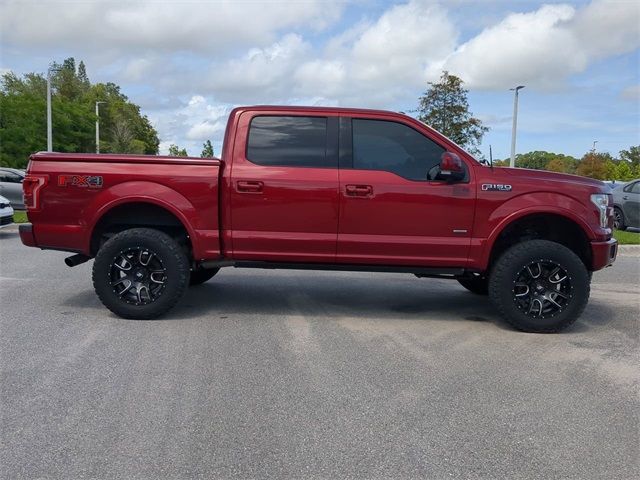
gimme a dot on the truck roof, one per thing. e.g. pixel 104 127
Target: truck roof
pixel 318 109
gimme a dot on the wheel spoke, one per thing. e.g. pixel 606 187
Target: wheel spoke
pixel 145 254
pixel 538 270
pixel 159 277
pixel 124 264
pixel 143 291
pixel 126 283
pixel 535 307
pixel 521 285
pixel 551 298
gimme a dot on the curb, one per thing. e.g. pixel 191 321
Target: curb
pixel 629 250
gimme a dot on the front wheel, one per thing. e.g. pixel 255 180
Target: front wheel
pixel 539 286
pixel 140 273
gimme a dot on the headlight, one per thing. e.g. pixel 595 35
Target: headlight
pixel 601 201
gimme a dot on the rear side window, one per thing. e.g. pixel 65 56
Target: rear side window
pixel 288 141
pixel 396 148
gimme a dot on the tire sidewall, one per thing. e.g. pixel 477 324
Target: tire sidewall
pixel 511 264
pixel 173 259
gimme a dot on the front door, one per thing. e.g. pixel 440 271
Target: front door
pixel 393 208
pixel 284 188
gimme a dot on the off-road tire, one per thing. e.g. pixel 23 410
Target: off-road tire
pixel 514 261
pixel 618 219
pixel 202 275
pixel 165 249
pixel 477 284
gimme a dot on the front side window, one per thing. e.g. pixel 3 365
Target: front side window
pixel 288 141
pixel 396 148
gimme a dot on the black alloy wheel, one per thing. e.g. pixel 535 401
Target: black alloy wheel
pixel 539 286
pixel 542 289
pixel 140 273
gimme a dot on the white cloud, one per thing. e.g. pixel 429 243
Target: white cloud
pixel 373 63
pixel 544 47
pixel 200 26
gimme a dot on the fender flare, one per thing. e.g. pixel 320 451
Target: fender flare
pixel 509 212
pixel 154 194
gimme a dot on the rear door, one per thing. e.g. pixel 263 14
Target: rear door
pixel 284 187
pixel 393 208
pixel 631 204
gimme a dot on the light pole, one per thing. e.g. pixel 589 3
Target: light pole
pixel 594 145
pixel 98 126
pixel 512 163
pixel 49 128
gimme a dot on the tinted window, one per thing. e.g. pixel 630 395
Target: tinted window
pixel 288 141
pixel 394 147
pixel 635 188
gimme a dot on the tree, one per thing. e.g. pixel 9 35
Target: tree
pixel 594 165
pixel 444 106
pixel 23 128
pixel 632 155
pixel 175 151
pixel 207 150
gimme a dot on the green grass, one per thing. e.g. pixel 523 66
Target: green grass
pixel 20 217
pixel 627 238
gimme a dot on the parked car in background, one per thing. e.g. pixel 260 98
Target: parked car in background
pixel 11 186
pixel 6 212
pixel 626 205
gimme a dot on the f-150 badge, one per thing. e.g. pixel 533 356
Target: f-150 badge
pixel 84 181
pixel 499 187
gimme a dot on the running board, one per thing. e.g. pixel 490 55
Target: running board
pixel 417 271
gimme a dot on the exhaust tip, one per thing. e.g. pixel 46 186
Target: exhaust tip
pixel 75 260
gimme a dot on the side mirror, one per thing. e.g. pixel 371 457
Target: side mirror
pixel 451 167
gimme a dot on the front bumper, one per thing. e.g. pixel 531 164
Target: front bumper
pixel 603 254
pixel 6 220
pixel 26 234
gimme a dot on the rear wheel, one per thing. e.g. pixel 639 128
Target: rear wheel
pixel 477 284
pixel 202 275
pixel 140 273
pixel 618 219
pixel 539 286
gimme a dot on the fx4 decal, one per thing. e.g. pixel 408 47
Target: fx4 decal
pixel 85 181
pixel 499 187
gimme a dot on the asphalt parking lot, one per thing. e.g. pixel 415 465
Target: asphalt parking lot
pixel 286 374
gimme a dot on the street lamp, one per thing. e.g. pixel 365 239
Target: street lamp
pixel 512 163
pixel 49 128
pixel 594 145
pixel 98 126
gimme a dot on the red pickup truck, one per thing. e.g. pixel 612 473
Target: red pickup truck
pixel 324 188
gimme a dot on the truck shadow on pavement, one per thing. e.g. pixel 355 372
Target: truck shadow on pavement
pixel 336 296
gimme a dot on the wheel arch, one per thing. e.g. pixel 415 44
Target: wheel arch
pixel 560 227
pixel 134 212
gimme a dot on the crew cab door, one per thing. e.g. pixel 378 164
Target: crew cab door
pixel 393 210
pixel 284 187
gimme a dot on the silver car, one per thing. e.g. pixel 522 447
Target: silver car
pixel 11 186
pixel 626 205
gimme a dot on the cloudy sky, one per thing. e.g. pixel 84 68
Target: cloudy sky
pixel 187 63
